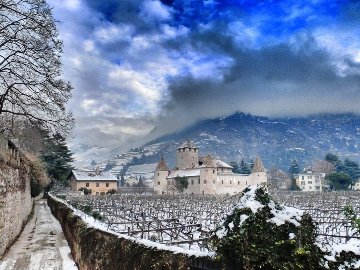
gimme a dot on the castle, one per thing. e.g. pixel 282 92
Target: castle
pixel 205 175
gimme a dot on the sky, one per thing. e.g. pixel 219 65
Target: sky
pixel 150 66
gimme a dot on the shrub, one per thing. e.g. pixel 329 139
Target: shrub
pixel 96 215
pixel 86 191
pixel 111 191
pixel 261 234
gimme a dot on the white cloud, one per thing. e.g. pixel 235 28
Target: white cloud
pixel 112 33
pixel 89 45
pixel 153 9
pixel 72 4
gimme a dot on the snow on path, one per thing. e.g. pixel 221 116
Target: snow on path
pixel 41 245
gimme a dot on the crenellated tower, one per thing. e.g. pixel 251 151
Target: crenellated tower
pixel 187 156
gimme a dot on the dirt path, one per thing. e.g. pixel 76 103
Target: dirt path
pixel 41 246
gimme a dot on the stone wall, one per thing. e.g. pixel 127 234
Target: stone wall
pixel 15 198
pixel 96 249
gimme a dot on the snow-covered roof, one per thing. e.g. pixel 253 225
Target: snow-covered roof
pixel 184 173
pixel 211 162
pixel 221 164
pixel 93 176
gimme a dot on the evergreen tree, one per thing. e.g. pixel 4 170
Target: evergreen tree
pixel 251 165
pixel 244 168
pixel 57 157
pixel 235 166
pixel 294 168
pixel 333 159
pixel 339 181
pixel 122 181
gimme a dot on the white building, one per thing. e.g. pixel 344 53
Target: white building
pixel 205 175
pixel 356 185
pixel 309 180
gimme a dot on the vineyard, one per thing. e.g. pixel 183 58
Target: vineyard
pixel 187 221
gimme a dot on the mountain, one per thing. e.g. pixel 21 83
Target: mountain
pixel 276 140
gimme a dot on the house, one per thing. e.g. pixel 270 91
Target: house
pixel 204 175
pixel 309 180
pixel 98 182
pixel 356 185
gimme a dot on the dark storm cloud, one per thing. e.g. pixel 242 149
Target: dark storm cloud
pixel 279 80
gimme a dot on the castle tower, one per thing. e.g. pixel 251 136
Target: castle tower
pixel 187 156
pixel 258 174
pixel 161 172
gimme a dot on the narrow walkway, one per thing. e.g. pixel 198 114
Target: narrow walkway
pixel 41 246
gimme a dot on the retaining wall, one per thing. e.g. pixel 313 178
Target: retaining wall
pixel 15 198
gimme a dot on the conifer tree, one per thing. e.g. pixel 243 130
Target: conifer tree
pixel 57 157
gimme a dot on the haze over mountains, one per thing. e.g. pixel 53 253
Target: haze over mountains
pixel 276 140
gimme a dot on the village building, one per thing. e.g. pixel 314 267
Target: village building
pixel 309 180
pixel 356 185
pixel 98 182
pixel 205 175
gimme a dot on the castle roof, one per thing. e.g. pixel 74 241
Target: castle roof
pixel 187 144
pixel 184 173
pixel 258 166
pixel 162 166
pixel 209 161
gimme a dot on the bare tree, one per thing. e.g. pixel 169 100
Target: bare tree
pixel 30 51
pixel 323 166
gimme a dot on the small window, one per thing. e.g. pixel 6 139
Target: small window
pixel 303 183
pixel 158 183
pixel 205 181
pixel 310 187
pixel 199 181
pixel 192 181
pixel 213 171
pixel 310 182
pixel 97 184
pixel 87 184
pixel 107 184
pixel 158 174
pixel 230 182
pixel 222 182
pixel 213 181
pixel 302 177
pixel 238 182
pixel 195 150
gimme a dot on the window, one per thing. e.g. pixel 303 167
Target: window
pixel 302 177
pixel 97 193
pixel 303 183
pixel 310 182
pixel 97 184
pixel 205 181
pixel 238 182
pixel 222 182
pixel 195 150
pixel 310 187
pixel 158 174
pixel 213 171
pixel 199 181
pixel 107 184
pixel 87 184
pixel 317 187
pixel 158 183
pixel 230 182
pixel 192 181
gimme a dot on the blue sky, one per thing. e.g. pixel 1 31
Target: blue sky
pixel 140 64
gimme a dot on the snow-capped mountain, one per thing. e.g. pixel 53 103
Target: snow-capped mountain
pixel 276 140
